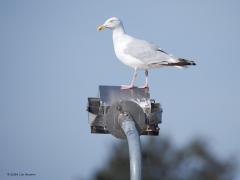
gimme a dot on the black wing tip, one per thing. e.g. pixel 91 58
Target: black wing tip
pixel 187 62
pixel 193 63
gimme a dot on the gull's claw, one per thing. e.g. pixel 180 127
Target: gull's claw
pixel 127 86
pixel 144 86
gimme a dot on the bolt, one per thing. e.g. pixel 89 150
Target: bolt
pixel 119 108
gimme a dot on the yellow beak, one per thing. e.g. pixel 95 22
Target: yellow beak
pixel 101 27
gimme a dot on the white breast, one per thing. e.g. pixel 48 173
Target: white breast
pixel 120 42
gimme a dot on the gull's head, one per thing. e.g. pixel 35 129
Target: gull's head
pixel 110 23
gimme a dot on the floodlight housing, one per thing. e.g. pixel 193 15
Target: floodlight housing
pixel 104 111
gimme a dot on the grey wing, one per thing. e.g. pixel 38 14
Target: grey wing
pixel 147 53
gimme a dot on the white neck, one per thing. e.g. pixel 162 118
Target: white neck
pixel 118 31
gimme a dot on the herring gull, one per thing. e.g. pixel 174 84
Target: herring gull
pixel 139 54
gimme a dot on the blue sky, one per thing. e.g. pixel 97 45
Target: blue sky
pixel 52 59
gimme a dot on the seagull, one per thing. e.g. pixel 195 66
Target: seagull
pixel 139 54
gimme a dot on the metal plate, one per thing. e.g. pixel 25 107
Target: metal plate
pixel 113 123
pixel 112 94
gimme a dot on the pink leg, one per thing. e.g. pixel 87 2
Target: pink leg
pixel 146 80
pixel 130 86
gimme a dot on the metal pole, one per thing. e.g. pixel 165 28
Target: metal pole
pixel 134 145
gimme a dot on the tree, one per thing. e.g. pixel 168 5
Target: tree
pixel 162 160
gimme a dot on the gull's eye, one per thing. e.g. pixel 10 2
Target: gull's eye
pixel 111 21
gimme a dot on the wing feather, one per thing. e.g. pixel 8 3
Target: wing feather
pixel 147 53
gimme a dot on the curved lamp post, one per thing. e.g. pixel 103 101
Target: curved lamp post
pixel 126 114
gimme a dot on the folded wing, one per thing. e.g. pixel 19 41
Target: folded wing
pixel 152 55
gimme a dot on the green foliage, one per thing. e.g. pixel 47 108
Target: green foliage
pixel 162 160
